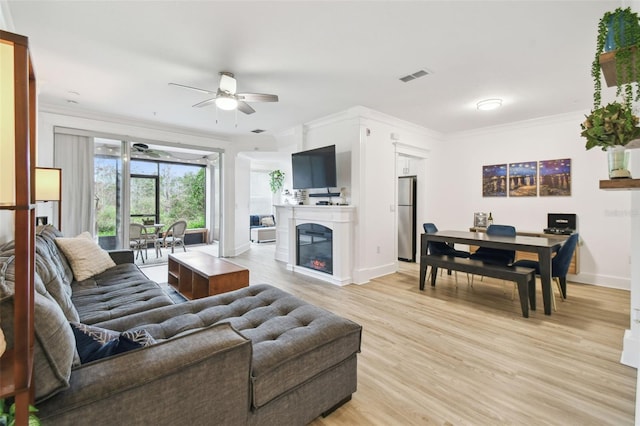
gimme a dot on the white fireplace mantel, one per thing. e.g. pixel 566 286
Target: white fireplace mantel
pixel 340 219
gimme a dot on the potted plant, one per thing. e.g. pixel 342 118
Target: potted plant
pixel 611 127
pixel 8 415
pixel 276 180
pixel 618 31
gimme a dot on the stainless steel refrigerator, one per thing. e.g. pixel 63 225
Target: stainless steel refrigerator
pixel 407 218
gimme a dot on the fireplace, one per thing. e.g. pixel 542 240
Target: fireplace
pixel 314 247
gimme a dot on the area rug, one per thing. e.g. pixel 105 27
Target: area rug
pixel 172 293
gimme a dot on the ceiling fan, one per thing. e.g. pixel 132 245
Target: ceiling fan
pixel 143 148
pixel 226 97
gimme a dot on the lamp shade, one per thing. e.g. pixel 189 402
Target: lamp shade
pixel 48 184
pixel 7 126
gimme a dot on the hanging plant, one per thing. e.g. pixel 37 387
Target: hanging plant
pixel 276 180
pixel 620 31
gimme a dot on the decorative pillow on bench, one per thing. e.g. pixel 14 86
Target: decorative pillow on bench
pixel 95 343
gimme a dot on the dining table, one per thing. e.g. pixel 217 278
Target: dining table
pixel 544 247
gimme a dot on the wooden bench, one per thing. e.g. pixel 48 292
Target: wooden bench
pixel 524 277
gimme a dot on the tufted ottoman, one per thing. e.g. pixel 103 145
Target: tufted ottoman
pixel 304 357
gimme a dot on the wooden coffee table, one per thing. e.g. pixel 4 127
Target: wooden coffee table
pixel 196 274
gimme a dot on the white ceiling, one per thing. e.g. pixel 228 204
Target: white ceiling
pixel 320 57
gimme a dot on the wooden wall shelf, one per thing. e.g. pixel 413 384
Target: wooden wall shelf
pixel 620 184
pixel 608 66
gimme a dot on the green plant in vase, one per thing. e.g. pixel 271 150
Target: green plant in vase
pixel 614 124
pixel 276 180
pixel 611 128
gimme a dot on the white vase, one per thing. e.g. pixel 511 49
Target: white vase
pixel 618 162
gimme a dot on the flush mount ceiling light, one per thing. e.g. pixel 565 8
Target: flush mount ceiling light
pixel 226 102
pixel 489 104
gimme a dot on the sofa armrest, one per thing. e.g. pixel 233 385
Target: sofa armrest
pixel 122 256
pixel 196 378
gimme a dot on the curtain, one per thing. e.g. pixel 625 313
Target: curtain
pixel 74 155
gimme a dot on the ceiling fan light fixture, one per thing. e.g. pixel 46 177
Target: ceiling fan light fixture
pixel 226 103
pixel 489 104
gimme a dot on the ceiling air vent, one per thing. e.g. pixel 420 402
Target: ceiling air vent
pixel 258 131
pixel 417 74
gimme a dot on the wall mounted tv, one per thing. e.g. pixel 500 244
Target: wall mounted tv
pixel 315 168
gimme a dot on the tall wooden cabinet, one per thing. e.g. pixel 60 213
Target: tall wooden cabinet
pixel 17 154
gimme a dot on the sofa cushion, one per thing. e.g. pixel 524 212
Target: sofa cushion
pixel 52 270
pixel 94 343
pixel 86 257
pixel 47 234
pixel 293 341
pixel 267 221
pixel 54 348
pixel 119 291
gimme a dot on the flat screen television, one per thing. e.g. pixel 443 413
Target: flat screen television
pixel 315 168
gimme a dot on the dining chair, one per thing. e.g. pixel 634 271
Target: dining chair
pixel 496 256
pixel 441 248
pixel 138 239
pixel 174 236
pixel 559 266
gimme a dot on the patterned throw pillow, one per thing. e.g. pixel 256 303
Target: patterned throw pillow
pixel 95 343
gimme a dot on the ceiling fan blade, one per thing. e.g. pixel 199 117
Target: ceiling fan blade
pixel 227 83
pixel 257 97
pixel 208 92
pixel 245 107
pixel 204 103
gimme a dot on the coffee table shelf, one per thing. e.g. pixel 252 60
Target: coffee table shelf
pixel 196 275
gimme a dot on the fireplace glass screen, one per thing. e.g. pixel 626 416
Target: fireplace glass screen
pixel 315 247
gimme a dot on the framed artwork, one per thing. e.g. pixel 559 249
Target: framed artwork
pixel 480 220
pixel 42 220
pixel 494 180
pixel 555 177
pixel 523 179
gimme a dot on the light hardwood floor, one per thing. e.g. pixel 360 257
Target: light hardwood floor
pixel 465 355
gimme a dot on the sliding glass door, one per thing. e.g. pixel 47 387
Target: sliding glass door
pixel 158 184
pixel 108 189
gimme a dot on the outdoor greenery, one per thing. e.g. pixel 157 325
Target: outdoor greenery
pixel 182 195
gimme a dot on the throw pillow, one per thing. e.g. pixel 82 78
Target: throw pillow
pixel 85 256
pixel 267 221
pixel 95 343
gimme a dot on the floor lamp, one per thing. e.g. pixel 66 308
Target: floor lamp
pixel 49 188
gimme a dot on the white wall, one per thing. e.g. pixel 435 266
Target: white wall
pixel 603 216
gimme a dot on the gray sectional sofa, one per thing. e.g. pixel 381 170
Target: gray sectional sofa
pixel 255 356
